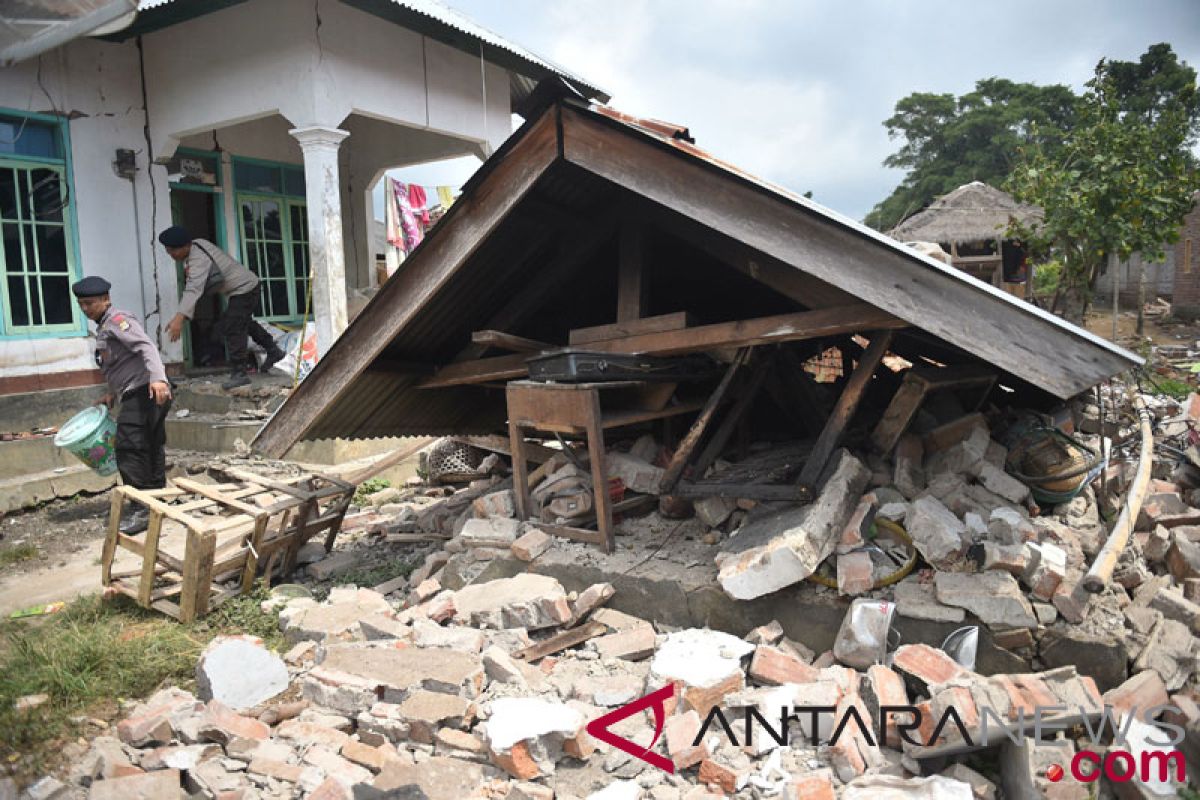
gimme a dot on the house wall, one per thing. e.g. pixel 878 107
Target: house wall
pixel 96 85
pixel 239 79
pixel 1160 279
pixel 1186 302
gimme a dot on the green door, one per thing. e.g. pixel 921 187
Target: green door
pixel 275 247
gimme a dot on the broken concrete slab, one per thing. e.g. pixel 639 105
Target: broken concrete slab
pixel 525 601
pixel 437 778
pixel 994 597
pixel 239 672
pixel 350 678
pixel 531 544
pixel 529 732
pixel 490 532
pixel 335 619
pixel 917 600
pixel 785 547
pixel 936 532
pixel 160 785
pixel 892 787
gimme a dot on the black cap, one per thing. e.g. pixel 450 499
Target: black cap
pixel 175 236
pixel 91 286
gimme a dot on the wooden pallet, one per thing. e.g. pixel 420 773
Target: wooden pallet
pixel 202 535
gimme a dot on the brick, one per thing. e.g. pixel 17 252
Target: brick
pixel 517 762
pixel 926 664
pixel 1183 557
pixel 531 544
pixel 160 785
pixel 335 766
pixel 496 504
pixel 884 687
pixel 306 734
pixel 331 789
pixel 814 785
pixel 907 474
pixel 1046 569
pixel 1071 600
pixel 681 730
pixel 373 758
pixel 634 644
pixel 221 724
pixel 428 711
pixel 452 739
pixel 855 573
pixel 490 532
pixel 1008 558
pixel 590 599
pixel 994 597
pixel 714 773
pixel 1144 690
pixel 424 590
pixel 279 770
pixel 773 667
pixel 702 699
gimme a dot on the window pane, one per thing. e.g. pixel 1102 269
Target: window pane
pixel 13 261
pixel 276 268
pixel 26 137
pixel 272 227
pixel 249 217
pixel 299 223
pixel 17 301
pixel 252 258
pixel 52 248
pixel 293 181
pixel 8 193
pixel 256 178
pixel 48 199
pixel 279 298
pixel 24 184
pixel 56 295
pixel 35 305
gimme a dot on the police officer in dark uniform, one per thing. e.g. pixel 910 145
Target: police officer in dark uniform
pixel 136 377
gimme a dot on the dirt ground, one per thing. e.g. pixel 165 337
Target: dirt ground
pixel 59 530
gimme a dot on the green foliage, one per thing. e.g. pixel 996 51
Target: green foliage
pixel 1120 183
pixel 948 141
pixel 369 487
pixel 379 573
pixel 1176 389
pixel 1045 278
pixel 17 554
pixel 93 654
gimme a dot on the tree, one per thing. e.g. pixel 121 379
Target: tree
pixel 1120 182
pixel 949 141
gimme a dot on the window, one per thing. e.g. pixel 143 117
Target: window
pixel 273 222
pixel 37 256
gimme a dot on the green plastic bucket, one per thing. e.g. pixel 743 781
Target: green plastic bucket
pixel 91 437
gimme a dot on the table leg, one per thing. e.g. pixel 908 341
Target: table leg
pixel 516 439
pixel 595 436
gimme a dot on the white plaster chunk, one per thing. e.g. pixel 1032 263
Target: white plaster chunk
pixel 239 672
pixel 700 657
pixel 517 719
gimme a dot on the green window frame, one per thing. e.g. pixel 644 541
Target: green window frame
pixel 38 233
pixel 272 218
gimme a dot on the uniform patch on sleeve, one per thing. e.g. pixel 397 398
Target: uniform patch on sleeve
pixel 121 322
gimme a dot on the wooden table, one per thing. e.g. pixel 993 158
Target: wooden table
pixel 575 409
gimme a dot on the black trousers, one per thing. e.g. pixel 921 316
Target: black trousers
pixel 141 439
pixel 238 321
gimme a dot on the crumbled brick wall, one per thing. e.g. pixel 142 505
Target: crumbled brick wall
pixel 1186 300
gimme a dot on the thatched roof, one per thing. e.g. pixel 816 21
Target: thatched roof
pixel 971 213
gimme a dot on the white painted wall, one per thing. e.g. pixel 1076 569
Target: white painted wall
pixel 96 84
pixel 250 73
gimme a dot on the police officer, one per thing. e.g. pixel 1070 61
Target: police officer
pixel 136 377
pixel 207 267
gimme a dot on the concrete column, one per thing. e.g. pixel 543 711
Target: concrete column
pixel 323 193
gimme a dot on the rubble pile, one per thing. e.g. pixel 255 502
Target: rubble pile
pixel 471 697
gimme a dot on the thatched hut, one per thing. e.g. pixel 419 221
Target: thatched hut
pixel 970 223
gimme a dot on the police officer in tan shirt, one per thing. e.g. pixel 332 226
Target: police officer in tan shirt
pixel 134 372
pixel 207 268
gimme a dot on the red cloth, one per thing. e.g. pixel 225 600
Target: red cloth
pixel 418 202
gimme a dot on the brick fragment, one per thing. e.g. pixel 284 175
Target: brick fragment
pixel 772 666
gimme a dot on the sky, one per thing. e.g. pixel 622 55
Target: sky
pixel 796 91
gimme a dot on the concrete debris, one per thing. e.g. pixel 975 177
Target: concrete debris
pixel 239 672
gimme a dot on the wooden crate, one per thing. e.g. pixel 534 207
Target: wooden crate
pixel 202 535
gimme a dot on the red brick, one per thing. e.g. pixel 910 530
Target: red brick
pixel 926 664
pixel 373 758
pixel 681 731
pixel 772 666
pixel 713 773
pixel 815 785
pixel 701 700
pixel 959 698
pixel 884 687
pixel 858 524
pixel 580 746
pixel 275 769
pixel 1018 699
pixel 855 573
pixel 162 783
pixel 221 724
pixel 1071 600
pixel 633 645
pixel 1142 691
pixel 331 789
pixel 517 762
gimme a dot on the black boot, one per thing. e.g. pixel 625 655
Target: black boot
pixel 274 356
pixel 134 522
pixel 236 378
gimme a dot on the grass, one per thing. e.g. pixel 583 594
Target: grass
pixel 384 571
pixel 15 555
pixel 1177 389
pixel 95 653
pixel 368 487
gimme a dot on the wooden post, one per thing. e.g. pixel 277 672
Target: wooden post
pixel 674 470
pixel 844 410
pixel 149 559
pixel 110 539
pixel 516 439
pixel 631 273
pixel 595 438
pixel 255 542
pixel 736 415
pixel 197 574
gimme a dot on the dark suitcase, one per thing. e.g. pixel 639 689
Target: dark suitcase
pixel 571 365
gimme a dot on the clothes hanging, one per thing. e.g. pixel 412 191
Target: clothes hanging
pixel 445 195
pixel 419 202
pixel 413 234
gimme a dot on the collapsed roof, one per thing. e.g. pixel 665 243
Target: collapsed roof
pixel 532 249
